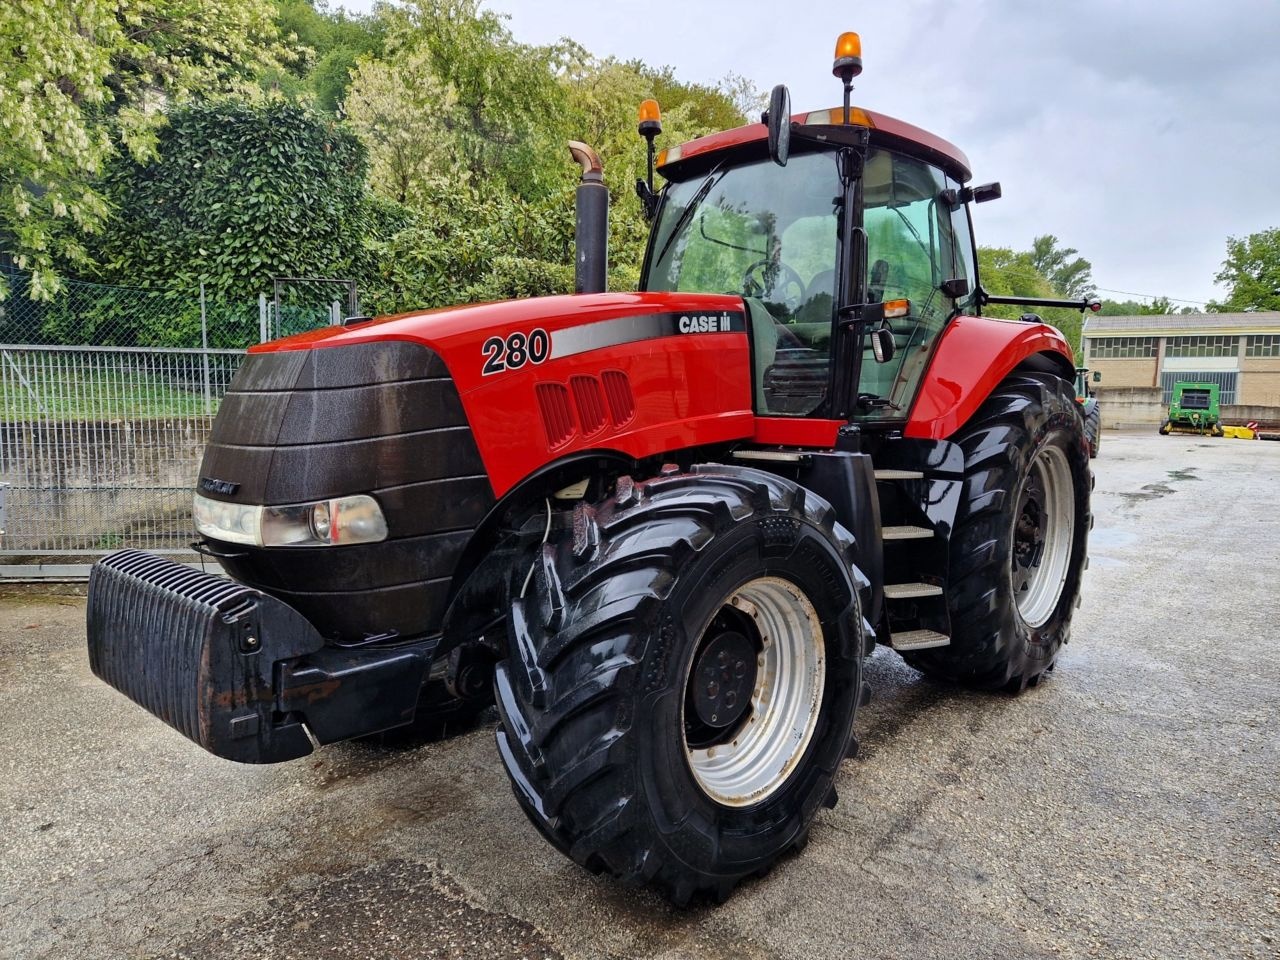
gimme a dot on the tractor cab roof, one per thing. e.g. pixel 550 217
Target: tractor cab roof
pixel 688 159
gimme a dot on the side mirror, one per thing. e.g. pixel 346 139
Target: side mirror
pixel 778 120
pixel 875 317
pixel 1097 376
pixel 985 192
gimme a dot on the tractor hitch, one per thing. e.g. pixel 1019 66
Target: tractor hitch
pixel 240 672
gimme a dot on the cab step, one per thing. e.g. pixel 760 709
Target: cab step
pixel 918 640
pixel 909 591
pixel 887 474
pixel 906 533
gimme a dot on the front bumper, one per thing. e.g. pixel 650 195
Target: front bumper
pixel 240 672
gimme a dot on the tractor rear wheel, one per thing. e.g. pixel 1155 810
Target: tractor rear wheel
pixel 1019 544
pixel 685 665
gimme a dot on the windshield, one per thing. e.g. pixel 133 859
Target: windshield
pixel 768 234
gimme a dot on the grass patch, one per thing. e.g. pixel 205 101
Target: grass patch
pixel 100 394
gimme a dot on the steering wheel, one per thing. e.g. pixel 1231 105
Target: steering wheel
pixel 786 281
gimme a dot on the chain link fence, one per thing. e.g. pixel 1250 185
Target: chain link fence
pixel 107 395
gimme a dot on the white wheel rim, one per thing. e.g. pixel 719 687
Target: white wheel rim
pixel 1047 501
pixel 769 742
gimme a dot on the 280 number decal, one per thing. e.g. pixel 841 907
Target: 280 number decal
pixel 515 351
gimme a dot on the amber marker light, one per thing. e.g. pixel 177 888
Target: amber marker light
pixel 650 118
pixel 848 62
pixel 896 308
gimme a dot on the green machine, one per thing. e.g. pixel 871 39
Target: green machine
pixel 1193 408
pixel 1088 400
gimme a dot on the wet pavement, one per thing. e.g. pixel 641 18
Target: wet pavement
pixel 1129 807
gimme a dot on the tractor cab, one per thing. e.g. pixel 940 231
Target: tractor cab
pixel 775 236
pixel 850 245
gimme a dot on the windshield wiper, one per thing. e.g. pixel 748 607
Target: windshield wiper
pixel 683 221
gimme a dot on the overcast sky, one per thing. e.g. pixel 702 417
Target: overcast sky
pixel 1142 132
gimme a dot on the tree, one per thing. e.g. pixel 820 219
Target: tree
pixel 1251 273
pixel 1158 306
pixel 1004 272
pixel 1070 277
pixel 81 80
pixel 327 44
pixel 401 111
pixel 239 193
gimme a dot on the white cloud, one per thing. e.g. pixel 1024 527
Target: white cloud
pixel 1142 133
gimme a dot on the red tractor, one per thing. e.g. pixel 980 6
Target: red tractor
pixel 661 529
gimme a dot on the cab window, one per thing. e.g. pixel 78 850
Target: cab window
pixel 912 248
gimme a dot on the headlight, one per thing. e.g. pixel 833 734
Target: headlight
pixel 324 523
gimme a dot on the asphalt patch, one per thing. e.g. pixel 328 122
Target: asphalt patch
pixel 395 909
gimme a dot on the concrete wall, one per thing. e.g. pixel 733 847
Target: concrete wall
pixel 90 485
pixel 1238 414
pixel 1129 406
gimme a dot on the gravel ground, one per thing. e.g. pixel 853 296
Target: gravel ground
pixel 1126 808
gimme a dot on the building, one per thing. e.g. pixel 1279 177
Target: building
pixel 1238 351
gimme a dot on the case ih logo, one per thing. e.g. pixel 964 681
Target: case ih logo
pixel 705 324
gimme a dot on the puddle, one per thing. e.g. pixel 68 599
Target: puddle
pixel 1151 491
pixel 1110 538
pixel 1187 473
pixel 1099 562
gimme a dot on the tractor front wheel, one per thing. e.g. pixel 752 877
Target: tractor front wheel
pixel 685 665
pixel 1020 539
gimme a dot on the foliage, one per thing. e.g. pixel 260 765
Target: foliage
pixel 502 111
pixel 462 247
pixel 399 109
pixel 1004 272
pixel 1070 277
pixel 454 87
pixel 1251 272
pixel 239 194
pixel 1136 308
pixel 327 44
pixel 81 80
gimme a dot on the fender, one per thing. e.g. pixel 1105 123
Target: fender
pixel 973 355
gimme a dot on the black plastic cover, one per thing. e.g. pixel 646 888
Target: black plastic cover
pixel 381 418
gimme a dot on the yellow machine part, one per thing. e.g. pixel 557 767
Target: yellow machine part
pixel 1239 433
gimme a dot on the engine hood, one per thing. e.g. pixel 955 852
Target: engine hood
pixel 455 332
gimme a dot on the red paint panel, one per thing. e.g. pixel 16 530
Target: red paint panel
pixel 796 432
pixel 689 391
pixel 973 356
pixel 885 124
pixel 685 390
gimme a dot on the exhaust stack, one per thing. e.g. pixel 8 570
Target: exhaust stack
pixel 591 232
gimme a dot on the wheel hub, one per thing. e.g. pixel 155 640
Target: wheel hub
pixel 753 691
pixel 723 678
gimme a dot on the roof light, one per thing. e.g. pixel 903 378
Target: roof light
pixel 669 155
pixel 650 119
pixel 823 118
pixel 848 62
